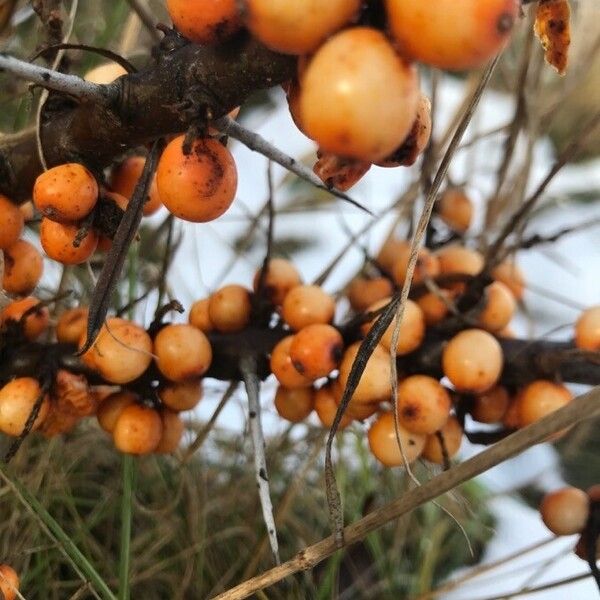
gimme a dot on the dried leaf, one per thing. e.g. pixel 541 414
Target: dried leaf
pixel 553 28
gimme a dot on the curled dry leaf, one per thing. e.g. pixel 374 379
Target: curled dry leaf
pixel 553 28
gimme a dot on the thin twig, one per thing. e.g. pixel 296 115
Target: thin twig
pixel 59 82
pixel 255 142
pixel 584 407
pixel 252 383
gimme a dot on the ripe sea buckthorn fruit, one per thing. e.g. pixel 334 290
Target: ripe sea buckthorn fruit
pixel 138 430
pixel 122 351
pixel 435 305
pixel 110 408
pixel 283 368
pixel 280 278
pixel 17 399
pixel 9 582
pixel 172 432
pixel 452 434
pixel 458 259
pixel 423 404
pixel 11 223
pixel 540 398
pixel 384 443
pixel 294 405
pixel 199 316
pixel 511 276
pixel 63 243
pixel 427 265
pixel 229 308
pixel 449 34
pixel 587 329
pixel 205 22
pixel 182 352
pixel 388 253
pixel 499 307
pixel 297 27
pixel 35 323
pixel 412 327
pixel 491 406
pixel 338 171
pixel 181 396
pixel 23 268
pixel 71 325
pixel 326 408
pixel 374 384
pixel 198 187
pixel 316 350
pixel 565 511
pixel 358 98
pixel 125 177
pixel 472 360
pixel 456 209
pixel 306 305
pixel 364 292
pixel 65 193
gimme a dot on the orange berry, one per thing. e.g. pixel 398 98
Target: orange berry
pixel 198 187
pixel 125 177
pixel 452 433
pixel 512 277
pixel 423 404
pixel 283 368
pixel 59 239
pixel 412 327
pixel 435 305
pixel 511 418
pixel 9 582
pixel 491 406
pixel 297 27
pixel 540 398
pixel 23 268
pixel 456 209
pixel 472 360
pixel 199 316
pixel 427 265
pixel 458 259
pixel 172 432
pixel 451 35
pixel 230 308
pixel 499 307
pixel 307 305
pixel 65 193
pixel 11 223
pixel 364 292
pixel 384 443
pixel 122 351
pixel 389 253
pixel 587 329
pixel 374 384
pixel 182 352
pixel 358 411
pixel 17 399
pixel 181 396
pixel 326 408
pixel 565 511
pixel 281 277
pixel 416 141
pixel 294 405
pixel 35 323
pixel 138 430
pixel 110 408
pixel 105 73
pixel 316 350
pixel 358 98
pixel 71 325
pixel 205 22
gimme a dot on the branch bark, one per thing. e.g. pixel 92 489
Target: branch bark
pixel 185 83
